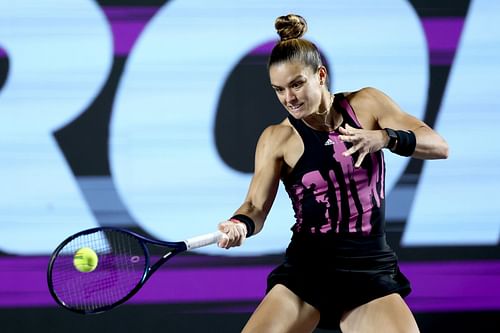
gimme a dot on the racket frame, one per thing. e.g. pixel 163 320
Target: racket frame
pixel 177 247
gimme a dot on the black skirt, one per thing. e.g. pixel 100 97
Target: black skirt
pixel 336 274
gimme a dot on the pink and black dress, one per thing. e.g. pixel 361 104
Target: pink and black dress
pixel 338 258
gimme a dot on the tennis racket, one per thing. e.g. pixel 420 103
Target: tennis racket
pixel 123 266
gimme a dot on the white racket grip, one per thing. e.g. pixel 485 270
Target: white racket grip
pixel 203 240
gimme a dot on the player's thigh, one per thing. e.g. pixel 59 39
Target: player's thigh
pixel 281 311
pixel 388 314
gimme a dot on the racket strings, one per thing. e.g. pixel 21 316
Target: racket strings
pixel 121 266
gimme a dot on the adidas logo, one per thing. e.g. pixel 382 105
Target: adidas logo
pixel 329 142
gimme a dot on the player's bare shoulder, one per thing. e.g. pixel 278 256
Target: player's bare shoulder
pixel 279 140
pixel 278 134
pixel 291 144
pixel 366 105
pixel 362 99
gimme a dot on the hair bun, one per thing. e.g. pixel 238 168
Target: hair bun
pixel 290 26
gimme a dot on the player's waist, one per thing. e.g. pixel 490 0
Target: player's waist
pixel 338 245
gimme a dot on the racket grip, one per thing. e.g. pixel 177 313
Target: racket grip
pixel 203 240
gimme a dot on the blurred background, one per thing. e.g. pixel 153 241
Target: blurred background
pixel 145 114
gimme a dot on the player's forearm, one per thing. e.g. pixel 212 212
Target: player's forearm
pixel 430 145
pixel 256 214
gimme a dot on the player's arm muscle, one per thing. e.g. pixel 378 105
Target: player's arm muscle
pixel 265 181
pixel 387 114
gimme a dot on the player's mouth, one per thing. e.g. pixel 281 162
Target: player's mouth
pixel 295 108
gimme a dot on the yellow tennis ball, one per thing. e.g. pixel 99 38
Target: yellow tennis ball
pixel 85 260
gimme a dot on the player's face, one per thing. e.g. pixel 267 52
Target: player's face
pixel 297 87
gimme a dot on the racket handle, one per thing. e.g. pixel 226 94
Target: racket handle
pixel 203 240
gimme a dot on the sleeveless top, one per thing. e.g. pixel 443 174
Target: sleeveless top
pixel 329 195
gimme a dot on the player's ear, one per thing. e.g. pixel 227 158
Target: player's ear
pixel 322 74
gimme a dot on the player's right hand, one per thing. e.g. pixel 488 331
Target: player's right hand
pixel 235 234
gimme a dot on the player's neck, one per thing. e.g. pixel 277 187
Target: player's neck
pixel 325 119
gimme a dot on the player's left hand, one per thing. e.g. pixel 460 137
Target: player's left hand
pixel 363 141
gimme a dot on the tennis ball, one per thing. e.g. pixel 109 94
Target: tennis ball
pixel 85 260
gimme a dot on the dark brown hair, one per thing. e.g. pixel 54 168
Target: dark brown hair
pixel 292 47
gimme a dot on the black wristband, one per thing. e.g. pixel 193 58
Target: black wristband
pixel 250 224
pixel 393 137
pixel 406 144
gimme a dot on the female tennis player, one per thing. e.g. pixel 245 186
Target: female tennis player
pixel 338 269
